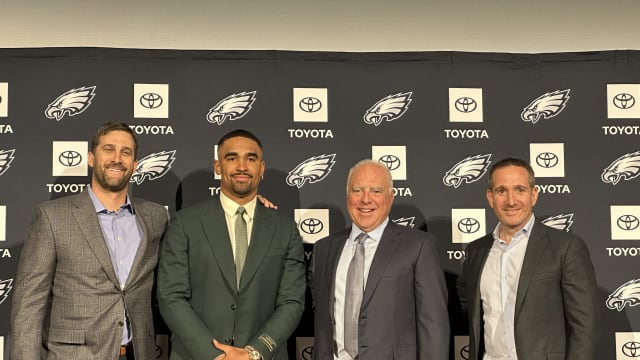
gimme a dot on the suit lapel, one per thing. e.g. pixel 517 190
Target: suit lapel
pixel 215 229
pixel 84 213
pixel 335 250
pixel 139 261
pixel 388 243
pixel 262 235
pixel 537 243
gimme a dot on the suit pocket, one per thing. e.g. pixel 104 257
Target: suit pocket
pixel 66 336
pixel 402 352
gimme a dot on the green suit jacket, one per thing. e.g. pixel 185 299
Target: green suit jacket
pixel 197 291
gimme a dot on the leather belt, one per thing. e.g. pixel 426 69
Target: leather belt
pixel 124 349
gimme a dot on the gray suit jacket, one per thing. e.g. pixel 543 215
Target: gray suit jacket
pixel 197 292
pixel 404 308
pixel 67 303
pixel 555 315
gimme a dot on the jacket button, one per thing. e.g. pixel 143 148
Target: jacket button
pixel 233 306
pixel 120 323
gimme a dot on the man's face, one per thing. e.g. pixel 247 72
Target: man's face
pixel 113 161
pixel 512 198
pixel 241 167
pixel 369 197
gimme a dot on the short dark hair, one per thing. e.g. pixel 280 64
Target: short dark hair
pixel 113 126
pixel 239 133
pixel 511 162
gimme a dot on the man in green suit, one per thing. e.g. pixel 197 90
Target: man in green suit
pixel 231 275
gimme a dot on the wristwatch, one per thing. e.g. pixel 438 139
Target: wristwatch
pixel 253 353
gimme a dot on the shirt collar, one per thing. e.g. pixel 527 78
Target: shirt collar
pixel 525 231
pixel 97 204
pixel 230 207
pixel 375 234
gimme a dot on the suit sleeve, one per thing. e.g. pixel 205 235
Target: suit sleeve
pixel 34 278
pixel 579 294
pixel 174 292
pixel 289 303
pixel 432 316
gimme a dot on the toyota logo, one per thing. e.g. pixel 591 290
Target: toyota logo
pixel 631 349
pixel 151 100
pixel 70 158
pixel 468 225
pixel 464 352
pixel 392 162
pixel 547 160
pixel 311 226
pixel 628 222
pixel 466 104
pixel 310 104
pixel 624 101
pixel 307 353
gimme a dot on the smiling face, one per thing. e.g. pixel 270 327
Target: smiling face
pixel 113 161
pixel 369 196
pixel 240 167
pixel 512 198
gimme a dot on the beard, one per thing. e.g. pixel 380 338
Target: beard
pixel 113 184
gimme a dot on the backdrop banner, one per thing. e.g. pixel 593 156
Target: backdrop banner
pixel 438 120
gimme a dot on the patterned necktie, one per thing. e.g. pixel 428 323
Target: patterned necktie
pixel 354 290
pixel 242 242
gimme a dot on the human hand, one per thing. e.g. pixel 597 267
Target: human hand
pixel 230 352
pixel 266 203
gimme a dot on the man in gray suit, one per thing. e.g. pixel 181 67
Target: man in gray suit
pixel 83 287
pixel 529 290
pixel 231 274
pixel 393 303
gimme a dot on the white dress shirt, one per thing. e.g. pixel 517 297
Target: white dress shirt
pixel 498 290
pixel 230 208
pixel 370 246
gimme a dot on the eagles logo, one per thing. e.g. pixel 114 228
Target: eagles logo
pixel 405 221
pixel 6 157
pixel 313 169
pixel 5 288
pixel 233 107
pixel 546 106
pixel 388 109
pixel 153 166
pixel 71 103
pixel 561 222
pixel 627 294
pixel 468 170
pixel 625 167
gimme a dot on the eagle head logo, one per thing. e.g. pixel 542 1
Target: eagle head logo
pixel 71 103
pixel 313 169
pixel 6 157
pixel 5 288
pixel 546 106
pixel 153 166
pixel 468 170
pixel 388 109
pixel 406 221
pixel 625 167
pixel 233 107
pixel 627 294
pixel 560 222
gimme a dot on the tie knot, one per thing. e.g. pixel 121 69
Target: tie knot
pixel 361 237
pixel 241 210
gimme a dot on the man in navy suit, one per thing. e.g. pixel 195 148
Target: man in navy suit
pixel 529 290
pixel 402 313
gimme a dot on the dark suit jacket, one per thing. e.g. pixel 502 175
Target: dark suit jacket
pixel 197 291
pixel 555 315
pixel 67 302
pixel 404 308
